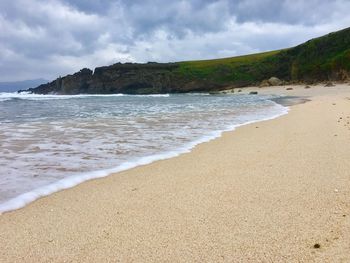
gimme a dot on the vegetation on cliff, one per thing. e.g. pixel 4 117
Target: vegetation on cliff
pixel 319 59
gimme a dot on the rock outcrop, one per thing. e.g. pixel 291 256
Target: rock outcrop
pixel 128 78
pixel 264 83
pixel 273 81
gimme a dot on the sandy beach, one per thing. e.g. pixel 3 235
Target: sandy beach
pixel 272 191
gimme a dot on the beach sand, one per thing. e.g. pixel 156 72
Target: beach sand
pixel 266 192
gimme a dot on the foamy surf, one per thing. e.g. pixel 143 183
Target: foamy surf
pixel 181 141
pixel 4 96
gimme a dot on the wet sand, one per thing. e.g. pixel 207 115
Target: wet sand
pixel 273 191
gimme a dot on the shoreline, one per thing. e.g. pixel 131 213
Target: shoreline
pixel 22 200
pixel 268 191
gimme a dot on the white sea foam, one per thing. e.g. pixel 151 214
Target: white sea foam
pixel 5 96
pixel 198 94
pixel 155 95
pixel 71 181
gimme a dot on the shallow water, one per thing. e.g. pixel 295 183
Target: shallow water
pixel 53 142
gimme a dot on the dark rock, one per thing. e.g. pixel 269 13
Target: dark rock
pixel 289 88
pixel 317 245
pixel 227 91
pixel 329 84
pixel 253 93
pixel 307 87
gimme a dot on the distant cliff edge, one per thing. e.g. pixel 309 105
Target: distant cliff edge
pixel 320 59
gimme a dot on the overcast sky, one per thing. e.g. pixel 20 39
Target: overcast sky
pixel 48 38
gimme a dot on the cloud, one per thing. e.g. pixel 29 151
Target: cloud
pixel 57 37
pixel 296 12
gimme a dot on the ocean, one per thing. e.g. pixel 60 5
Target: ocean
pixel 53 142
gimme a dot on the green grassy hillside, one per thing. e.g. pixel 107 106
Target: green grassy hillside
pixel 322 58
pixel 242 68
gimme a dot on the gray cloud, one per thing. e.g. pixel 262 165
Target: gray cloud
pixel 302 12
pixel 56 37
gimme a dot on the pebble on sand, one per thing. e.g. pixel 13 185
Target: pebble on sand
pixel 317 245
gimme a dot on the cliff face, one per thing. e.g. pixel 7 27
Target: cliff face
pixel 126 78
pixel 320 59
pixel 118 78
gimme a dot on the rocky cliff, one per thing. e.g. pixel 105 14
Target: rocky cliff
pixel 128 78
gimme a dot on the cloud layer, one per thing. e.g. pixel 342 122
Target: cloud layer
pixel 56 37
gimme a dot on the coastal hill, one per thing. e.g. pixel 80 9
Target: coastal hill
pixel 320 59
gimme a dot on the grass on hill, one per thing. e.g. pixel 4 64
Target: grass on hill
pixel 318 59
pixel 224 69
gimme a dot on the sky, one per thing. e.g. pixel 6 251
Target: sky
pixel 51 38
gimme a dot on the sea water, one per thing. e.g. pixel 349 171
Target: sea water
pixel 53 142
